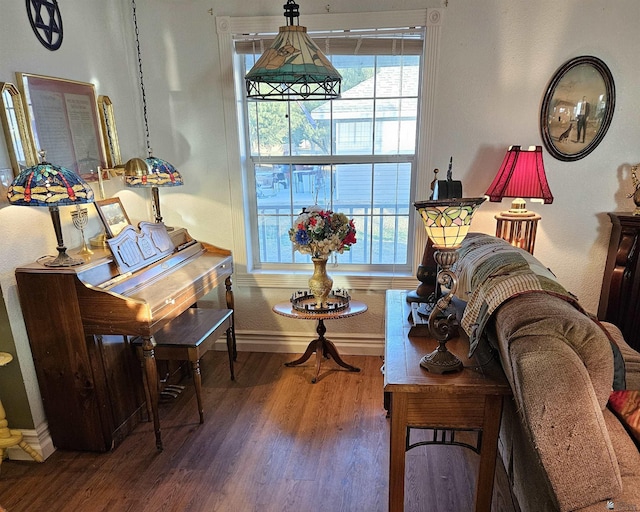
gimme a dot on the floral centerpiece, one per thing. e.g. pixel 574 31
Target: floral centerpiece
pixel 320 232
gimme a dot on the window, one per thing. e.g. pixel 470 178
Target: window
pixel 356 154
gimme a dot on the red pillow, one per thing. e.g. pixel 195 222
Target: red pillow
pixel 626 406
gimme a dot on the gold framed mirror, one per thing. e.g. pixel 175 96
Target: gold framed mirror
pixel 22 151
pixel 20 142
pixel 62 116
pixel 109 131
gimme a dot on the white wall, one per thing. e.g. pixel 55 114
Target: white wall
pixel 496 59
pixel 97 48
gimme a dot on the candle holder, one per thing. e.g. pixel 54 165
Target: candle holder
pixel 80 219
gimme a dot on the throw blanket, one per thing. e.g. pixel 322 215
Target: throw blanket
pixel 491 271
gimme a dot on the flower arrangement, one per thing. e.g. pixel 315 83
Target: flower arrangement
pixel 320 232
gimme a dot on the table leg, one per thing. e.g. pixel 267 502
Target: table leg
pixel 311 348
pixel 197 384
pixel 323 348
pixel 488 452
pixel 231 306
pixel 151 377
pixel 320 353
pixel 397 447
pixel 231 349
pixel 331 350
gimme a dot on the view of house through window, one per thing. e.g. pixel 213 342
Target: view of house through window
pixel 355 155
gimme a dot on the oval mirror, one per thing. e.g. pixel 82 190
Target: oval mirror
pixel 577 108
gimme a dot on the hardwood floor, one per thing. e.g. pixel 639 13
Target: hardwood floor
pixel 271 442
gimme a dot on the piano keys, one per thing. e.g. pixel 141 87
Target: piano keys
pixel 79 321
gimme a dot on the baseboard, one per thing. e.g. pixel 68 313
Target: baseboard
pixel 296 343
pixel 39 439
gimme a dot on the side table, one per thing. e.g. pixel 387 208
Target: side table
pixel 467 400
pixel 321 345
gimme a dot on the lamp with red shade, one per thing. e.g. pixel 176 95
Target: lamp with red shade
pixel 521 176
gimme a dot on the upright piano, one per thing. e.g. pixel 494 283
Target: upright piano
pixel 80 319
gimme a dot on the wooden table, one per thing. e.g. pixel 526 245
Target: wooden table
pixel 467 400
pixel 321 345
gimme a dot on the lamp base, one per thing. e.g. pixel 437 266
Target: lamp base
pixel 519 229
pixel 441 361
pixel 62 260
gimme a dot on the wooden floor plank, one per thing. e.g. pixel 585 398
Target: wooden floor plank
pixel 271 442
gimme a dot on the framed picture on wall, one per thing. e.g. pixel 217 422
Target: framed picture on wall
pixel 113 216
pixel 577 108
pixel 63 119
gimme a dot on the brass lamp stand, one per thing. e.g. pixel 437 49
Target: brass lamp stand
pixel 442 326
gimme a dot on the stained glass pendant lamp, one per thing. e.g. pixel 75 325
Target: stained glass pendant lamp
pixel 48 185
pixel 447 222
pixel 150 172
pixel 293 68
pixel 520 176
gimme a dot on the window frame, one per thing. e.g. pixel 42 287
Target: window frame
pixel 237 157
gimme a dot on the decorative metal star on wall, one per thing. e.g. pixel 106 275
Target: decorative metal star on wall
pixel 46 22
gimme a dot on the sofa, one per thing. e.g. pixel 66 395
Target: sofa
pixel 562 446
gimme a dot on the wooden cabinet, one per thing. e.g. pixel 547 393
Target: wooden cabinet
pixel 620 295
pixel 91 386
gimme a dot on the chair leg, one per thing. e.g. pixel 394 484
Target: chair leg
pixel 231 350
pixel 197 382
pixel 28 449
pixel 233 335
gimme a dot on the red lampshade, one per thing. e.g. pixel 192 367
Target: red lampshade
pixel 521 175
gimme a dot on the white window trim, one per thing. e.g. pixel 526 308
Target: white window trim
pixel 226 28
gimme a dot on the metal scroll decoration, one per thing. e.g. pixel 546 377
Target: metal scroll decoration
pixel 305 301
pixel 46 22
pixel 577 108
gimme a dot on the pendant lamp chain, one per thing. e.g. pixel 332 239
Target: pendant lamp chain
pixel 141 75
pixel 151 172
